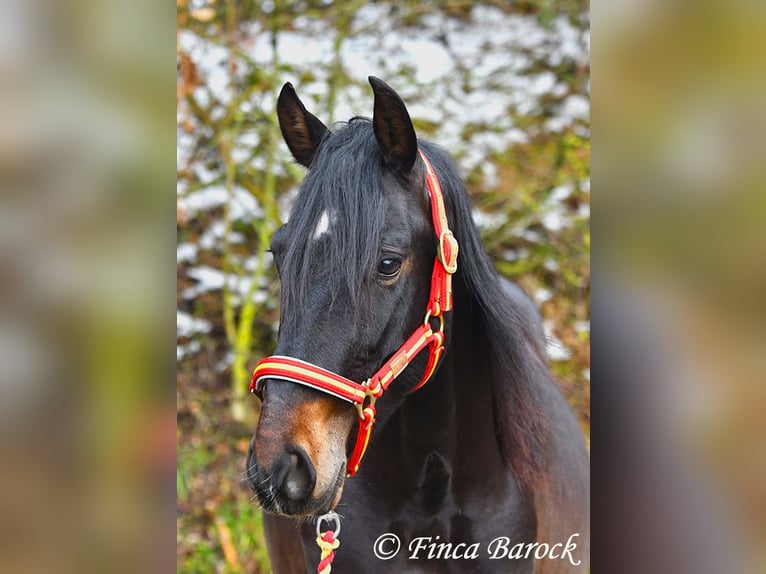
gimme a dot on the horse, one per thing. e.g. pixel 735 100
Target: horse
pixel 484 468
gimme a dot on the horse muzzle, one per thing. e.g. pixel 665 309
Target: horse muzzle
pixel 297 459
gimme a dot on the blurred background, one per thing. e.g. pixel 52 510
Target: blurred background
pixel 504 87
pixel 87 399
pixel 679 252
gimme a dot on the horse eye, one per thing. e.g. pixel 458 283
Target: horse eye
pixel 389 266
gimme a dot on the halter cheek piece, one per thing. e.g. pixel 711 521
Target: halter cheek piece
pixel 364 395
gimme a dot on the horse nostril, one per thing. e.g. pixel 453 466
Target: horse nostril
pixel 299 477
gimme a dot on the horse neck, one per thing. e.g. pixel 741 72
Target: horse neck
pixel 453 413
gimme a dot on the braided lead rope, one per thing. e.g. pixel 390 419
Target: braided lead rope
pixel 327 542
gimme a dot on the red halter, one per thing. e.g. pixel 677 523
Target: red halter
pixel 364 395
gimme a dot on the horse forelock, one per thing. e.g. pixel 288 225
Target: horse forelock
pixel 341 208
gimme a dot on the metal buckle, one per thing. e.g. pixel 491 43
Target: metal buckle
pixel 329 517
pixel 368 395
pixel 440 316
pixel 451 265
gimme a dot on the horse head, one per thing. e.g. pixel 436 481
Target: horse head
pixel 355 261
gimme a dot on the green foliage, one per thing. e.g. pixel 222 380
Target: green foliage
pixel 219 527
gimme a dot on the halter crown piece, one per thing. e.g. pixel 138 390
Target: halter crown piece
pixel 363 395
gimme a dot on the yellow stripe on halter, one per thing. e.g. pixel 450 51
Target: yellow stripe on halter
pixel 309 374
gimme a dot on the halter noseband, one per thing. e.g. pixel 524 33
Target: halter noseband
pixel 364 395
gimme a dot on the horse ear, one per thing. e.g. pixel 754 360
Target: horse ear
pixel 301 129
pixel 392 125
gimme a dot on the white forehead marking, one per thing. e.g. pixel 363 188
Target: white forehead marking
pixel 323 226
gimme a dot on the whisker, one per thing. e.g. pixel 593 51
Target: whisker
pixel 247 472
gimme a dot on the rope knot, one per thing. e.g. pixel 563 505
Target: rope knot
pixel 327 542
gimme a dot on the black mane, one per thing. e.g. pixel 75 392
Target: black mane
pixel 346 179
pixel 517 368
